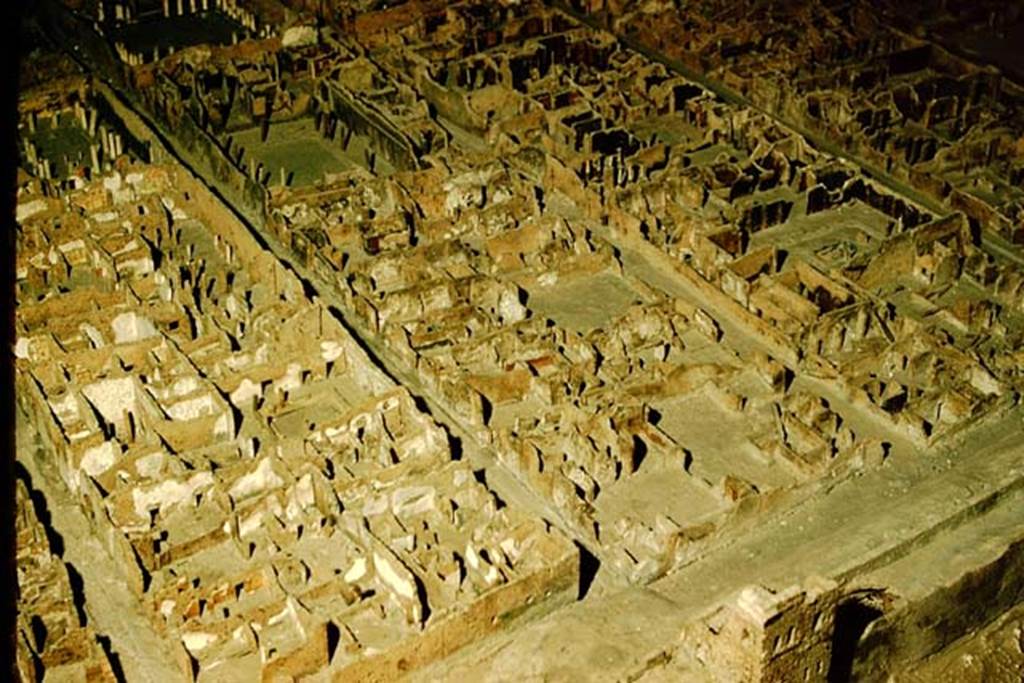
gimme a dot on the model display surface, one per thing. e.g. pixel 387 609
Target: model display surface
pixel 519 341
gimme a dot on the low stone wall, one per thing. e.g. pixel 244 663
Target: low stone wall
pixel 488 614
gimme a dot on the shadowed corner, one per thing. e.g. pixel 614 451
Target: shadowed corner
pixel 589 567
pixel 851 622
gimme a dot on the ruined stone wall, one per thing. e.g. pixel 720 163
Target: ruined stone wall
pixel 397 148
pixel 911 631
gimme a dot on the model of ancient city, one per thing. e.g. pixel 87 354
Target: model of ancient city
pixel 509 340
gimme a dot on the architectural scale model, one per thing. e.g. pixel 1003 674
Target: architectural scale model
pixel 509 340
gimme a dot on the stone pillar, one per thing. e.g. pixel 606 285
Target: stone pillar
pixel 167 8
pixel 181 7
pixel 94 157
